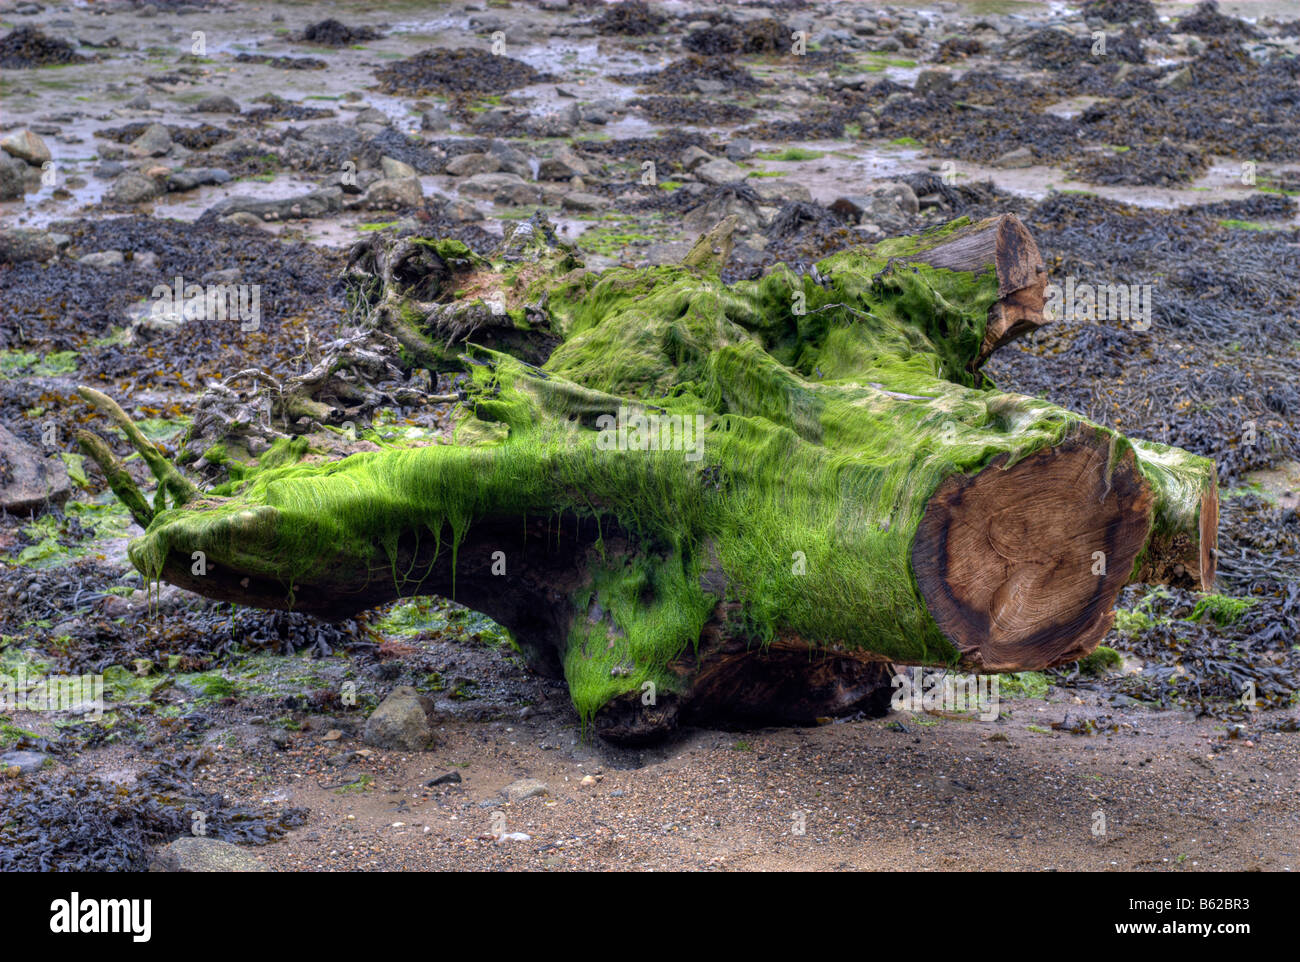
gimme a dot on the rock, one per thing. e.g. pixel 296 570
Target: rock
pixel 217 104
pixel 318 203
pixel 461 211
pixel 144 261
pixel 562 165
pixel 28 479
pixel 371 115
pixel 500 185
pixel 138 102
pixel 580 200
pixel 451 778
pixel 717 208
pixel 1180 79
pixel 241 219
pixel 395 169
pixel 933 81
pixel 133 188
pixel 400 722
pixel 435 119
pixel 13 177
pixel 395 192
pixel 154 142
pixel 19 244
pixel 467 165
pixel 109 169
pixel 526 788
pixel 891 205
pixel 200 854
pixel 1020 157
pixel 778 190
pixel 898 195
pixel 854 81
pixel 326 135
pixel 27 763
pixel 559 124
pixel 512 161
pixel 718 171
pixel 742 148
pixel 667 252
pixel 693 156
pixel 103 260
pixel 27 147
pixel 196 177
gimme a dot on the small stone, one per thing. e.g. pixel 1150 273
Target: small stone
pixel 133 188
pixel 199 854
pixel 372 115
pixel 526 788
pixel 933 81
pixel 23 763
pixel 26 146
pixel 1180 79
pixel 103 260
pixel 400 722
pixel 1018 158
pixel 562 165
pixel 719 171
pixel 19 244
pixel 154 142
pixel 693 156
pixel 435 119
pixel 580 200
pixel 451 778
pixel 395 192
pixel 217 104
pixel 742 148
pixel 394 168
pixel 467 165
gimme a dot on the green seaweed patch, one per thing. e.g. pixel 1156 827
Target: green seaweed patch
pixel 1221 609
pixel 1023 684
pixel 27 364
pixel 1100 661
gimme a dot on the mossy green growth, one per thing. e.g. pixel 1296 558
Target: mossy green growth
pixel 802 429
pixel 1221 609
pixel 26 364
pixel 1024 684
pixel 1100 661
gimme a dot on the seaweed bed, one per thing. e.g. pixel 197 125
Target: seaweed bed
pixel 464 70
pixel 71 822
pixel 27 47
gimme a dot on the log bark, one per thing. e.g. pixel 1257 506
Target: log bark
pixel 737 503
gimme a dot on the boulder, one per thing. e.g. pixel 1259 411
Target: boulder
pixel 400 722
pixel 19 244
pixel 154 142
pixel 467 165
pixel 562 165
pixel 719 171
pixel 28 479
pixel 27 147
pixel 217 104
pixel 393 192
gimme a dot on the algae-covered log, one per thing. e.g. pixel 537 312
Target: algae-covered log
pixel 737 502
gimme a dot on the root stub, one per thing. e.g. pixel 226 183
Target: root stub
pixel 1021 567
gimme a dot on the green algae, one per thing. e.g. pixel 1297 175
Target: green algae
pixel 828 414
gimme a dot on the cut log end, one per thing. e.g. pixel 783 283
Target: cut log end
pixel 1021 567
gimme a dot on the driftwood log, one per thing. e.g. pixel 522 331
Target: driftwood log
pixel 697 500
